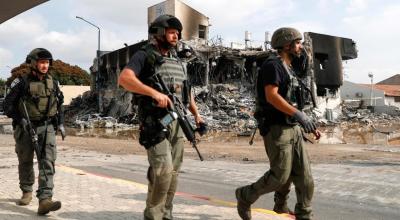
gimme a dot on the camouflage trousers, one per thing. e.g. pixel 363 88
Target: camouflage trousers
pixel 289 163
pixel 165 159
pixel 25 152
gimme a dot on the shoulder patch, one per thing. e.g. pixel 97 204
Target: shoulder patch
pixel 15 82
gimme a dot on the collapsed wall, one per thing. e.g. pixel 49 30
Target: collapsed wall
pixel 223 80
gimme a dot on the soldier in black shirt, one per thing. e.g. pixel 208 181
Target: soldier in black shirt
pixel 164 143
pixel 279 122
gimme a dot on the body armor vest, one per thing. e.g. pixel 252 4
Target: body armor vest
pixel 37 98
pixel 292 94
pixel 293 86
pixel 173 73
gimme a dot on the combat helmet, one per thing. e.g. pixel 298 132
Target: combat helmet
pixel 283 36
pixel 38 54
pixel 158 26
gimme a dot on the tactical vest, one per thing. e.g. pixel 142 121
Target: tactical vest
pixel 37 96
pixel 171 70
pixel 291 95
pixel 173 73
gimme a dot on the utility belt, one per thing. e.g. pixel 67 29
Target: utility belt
pixel 264 121
pixel 42 122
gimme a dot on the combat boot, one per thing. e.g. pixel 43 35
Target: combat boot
pixel 243 207
pixel 25 199
pixel 47 205
pixel 282 208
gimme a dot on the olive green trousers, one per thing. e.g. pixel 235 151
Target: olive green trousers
pixel 165 159
pixel 289 162
pixel 25 152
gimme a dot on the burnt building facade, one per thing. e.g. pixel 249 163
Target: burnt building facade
pixel 195 24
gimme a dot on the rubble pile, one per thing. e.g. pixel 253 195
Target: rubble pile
pixel 360 125
pixel 225 107
pixel 367 116
pixel 82 105
pixel 96 121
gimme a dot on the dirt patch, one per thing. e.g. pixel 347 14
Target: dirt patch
pixel 232 148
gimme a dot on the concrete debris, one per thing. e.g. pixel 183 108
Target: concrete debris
pixel 5 125
pixel 81 105
pixel 97 121
pixel 227 107
pixel 360 125
pixel 223 81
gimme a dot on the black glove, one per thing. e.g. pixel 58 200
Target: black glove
pixel 306 122
pixel 62 131
pixel 202 129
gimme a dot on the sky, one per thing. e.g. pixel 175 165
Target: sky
pixel 372 24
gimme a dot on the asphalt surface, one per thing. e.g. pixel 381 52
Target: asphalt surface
pixel 356 191
pixel 95 185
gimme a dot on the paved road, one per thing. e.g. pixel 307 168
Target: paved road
pixel 99 186
pixel 359 190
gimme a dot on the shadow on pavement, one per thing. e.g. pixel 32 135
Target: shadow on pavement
pixel 372 163
pixel 177 215
pixel 133 196
pixel 18 212
pixel 131 215
pixel 101 215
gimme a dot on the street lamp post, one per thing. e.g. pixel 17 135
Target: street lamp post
pixel 97 83
pixel 370 75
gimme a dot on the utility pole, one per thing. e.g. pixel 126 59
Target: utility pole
pixel 370 75
pixel 98 75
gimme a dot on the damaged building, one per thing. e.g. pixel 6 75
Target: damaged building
pixel 223 77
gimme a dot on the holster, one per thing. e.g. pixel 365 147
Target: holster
pixel 151 132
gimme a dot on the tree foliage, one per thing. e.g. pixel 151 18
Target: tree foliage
pixel 65 73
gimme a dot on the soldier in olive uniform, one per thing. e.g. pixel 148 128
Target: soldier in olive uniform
pixel 164 144
pixel 36 97
pixel 279 118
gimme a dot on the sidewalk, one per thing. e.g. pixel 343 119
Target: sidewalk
pixel 358 189
pixel 90 196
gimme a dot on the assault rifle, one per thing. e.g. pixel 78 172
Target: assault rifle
pixel 35 141
pixel 181 114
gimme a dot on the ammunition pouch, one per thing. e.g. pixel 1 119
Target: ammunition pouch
pixel 151 132
pixel 262 123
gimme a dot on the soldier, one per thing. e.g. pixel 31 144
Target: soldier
pixel 279 120
pixel 164 145
pixel 35 99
